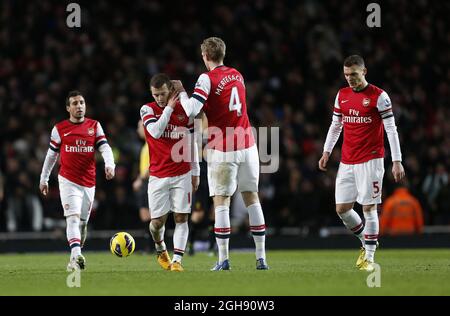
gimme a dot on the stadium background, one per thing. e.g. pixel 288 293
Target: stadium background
pixel 290 53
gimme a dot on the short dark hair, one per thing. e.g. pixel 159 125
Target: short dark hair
pixel 71 94
pixel 159 80
pixel 354 60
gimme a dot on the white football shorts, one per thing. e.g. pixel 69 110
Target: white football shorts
pixel 362 182
pixel 234 169
pixel 170 194
pixel 76 199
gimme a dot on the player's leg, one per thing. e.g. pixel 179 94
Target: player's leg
pixel 157 229
pixel 86 207
pixel 180 237
pixel 71 198
pixel 248 179
pixel 222 230
pixel 222 182
pixel 371 231
pixel 257 228
pixel 369 177
pixel 346 193
pixel 159 204
pixel 181 199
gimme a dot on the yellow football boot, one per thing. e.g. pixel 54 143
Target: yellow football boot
pixel 164 260
pixel 362 254
pixel 176 266
pixel 367 266
pixel 360 260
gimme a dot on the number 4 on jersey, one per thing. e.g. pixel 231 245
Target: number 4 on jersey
pixel 235 103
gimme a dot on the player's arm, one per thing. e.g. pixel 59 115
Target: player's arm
pixel 195 166
pixel 103 147
pixel 50 160
pixel 156 126
pixel 193 105
pixel 332 136
pixel 384 107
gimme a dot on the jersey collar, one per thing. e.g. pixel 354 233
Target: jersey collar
pixel 358 91
pixel 76 123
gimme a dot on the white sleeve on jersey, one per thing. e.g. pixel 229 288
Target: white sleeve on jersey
pixel 155 126
pixel 103 147
pixel 107 155
pixel 100 131
pixel 49 163
pixel 335 128
pixel 100 136
pixel 195 166
pixel 55 140
pixel 193 105
pixel 384 106
pixel 336 102
pixel 51 157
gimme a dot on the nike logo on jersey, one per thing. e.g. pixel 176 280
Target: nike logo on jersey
pixel 65 134
pixel 343 101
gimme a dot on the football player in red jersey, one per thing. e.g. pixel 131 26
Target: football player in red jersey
pixel 75 141
pixel 173 172
pixel 364 111
pixel 233 160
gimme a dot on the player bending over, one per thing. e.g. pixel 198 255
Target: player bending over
pixel 171 181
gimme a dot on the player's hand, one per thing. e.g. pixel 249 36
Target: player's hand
pixel 110 173
pixel 43 187
pixel 178 86
pixel 195 183
pixel 173 100
pixel 324 160
pixel 137 184
pixel 398 171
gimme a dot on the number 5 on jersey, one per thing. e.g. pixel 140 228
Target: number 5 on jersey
pixel 235 103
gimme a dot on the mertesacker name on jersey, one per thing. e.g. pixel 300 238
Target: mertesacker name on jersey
pixel 225 80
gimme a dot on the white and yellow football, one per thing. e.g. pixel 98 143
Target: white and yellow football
pixel 122 244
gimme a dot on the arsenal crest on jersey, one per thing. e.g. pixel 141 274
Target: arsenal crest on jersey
pixel 180 117
pixel 90 131
pixel 366 101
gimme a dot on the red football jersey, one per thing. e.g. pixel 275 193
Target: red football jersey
pixel 76 143
pixel 362 117
pixel 162 164
pixel 222 90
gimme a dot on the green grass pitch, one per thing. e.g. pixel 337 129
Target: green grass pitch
pixel 320 272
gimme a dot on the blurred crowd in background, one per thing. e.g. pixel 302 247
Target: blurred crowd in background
pixel 290 54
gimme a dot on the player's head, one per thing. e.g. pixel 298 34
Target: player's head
pixel 213 51
pixel 161 88
pixel 75 105
pixel 355 71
